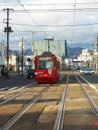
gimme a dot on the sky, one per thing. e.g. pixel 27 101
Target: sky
pixel 73 20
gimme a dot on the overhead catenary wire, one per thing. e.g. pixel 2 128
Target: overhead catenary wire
pixel 60 27
pixel 47 4
pixel 54 10
pixel 74 20
pixel 31 17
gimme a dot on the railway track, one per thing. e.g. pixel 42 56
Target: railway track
pixel 70 115
pixel 16 111
pixel 13 108
pixel 10 94
pixel 70 104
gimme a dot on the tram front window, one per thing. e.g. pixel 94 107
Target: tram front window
pixel 45 63
pixel 49 65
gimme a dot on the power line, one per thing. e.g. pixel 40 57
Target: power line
pixel 55 10
pixel 61 25
pixel 31 17
pixel 49 4
pixel 73 29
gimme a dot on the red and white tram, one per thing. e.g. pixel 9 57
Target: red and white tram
pixel 47 68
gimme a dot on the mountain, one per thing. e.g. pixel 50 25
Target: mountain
pixel 26 52
pixel 72 52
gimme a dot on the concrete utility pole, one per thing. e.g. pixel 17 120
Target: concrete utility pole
pixel 33 44
pixel 7 29
pixel 97 56
pixel 22 62
pixel 33 49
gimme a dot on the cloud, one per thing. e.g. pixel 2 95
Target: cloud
pixel 57 17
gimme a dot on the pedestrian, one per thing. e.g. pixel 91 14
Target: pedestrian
pixel 2 72
pixel 6 73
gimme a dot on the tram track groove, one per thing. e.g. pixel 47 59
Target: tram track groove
pixel 92 102
pixel 18 94
pixel 53 107
pixel 14 119
pixel 58 125
pixel 60 115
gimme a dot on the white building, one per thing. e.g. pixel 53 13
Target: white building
pixel 85 58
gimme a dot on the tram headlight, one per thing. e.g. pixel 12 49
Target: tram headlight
pixel 49 72
pixel 36 73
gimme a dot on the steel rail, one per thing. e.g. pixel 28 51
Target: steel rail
pixel 92 102
pixel 13 97
pixel 60 115
pixel 19 114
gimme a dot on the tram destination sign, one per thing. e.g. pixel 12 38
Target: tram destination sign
pixel 45 58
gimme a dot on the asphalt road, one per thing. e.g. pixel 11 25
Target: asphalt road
pixel 93 79
pixel 14 81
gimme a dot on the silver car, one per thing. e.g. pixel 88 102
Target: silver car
pixel 89 71
pixel 82 70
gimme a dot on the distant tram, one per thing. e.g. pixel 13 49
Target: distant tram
pixel 47 68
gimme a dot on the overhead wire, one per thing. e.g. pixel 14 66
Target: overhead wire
pixel 73 28
pixel 59 25
pixel 49 4
pixel 55 10
pixel 31 17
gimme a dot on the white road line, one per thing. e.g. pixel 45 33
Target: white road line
pixel 14 88
pixel 91 85
pixel 4 88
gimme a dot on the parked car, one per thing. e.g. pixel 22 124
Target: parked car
pixel 30 73
pixel 82 70
pixel 89 71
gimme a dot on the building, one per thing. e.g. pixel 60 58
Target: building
pixel 57 47
pixel 86 58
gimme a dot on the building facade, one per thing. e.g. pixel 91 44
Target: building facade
pixel 57 47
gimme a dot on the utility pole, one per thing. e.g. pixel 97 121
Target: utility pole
pixel 22 62
pixel 7 30
pixel 21 45
pixel 97 56
pixel 33 43
pixel 49 39
pixel 33 49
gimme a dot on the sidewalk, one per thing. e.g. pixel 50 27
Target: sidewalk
pixel 12 75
